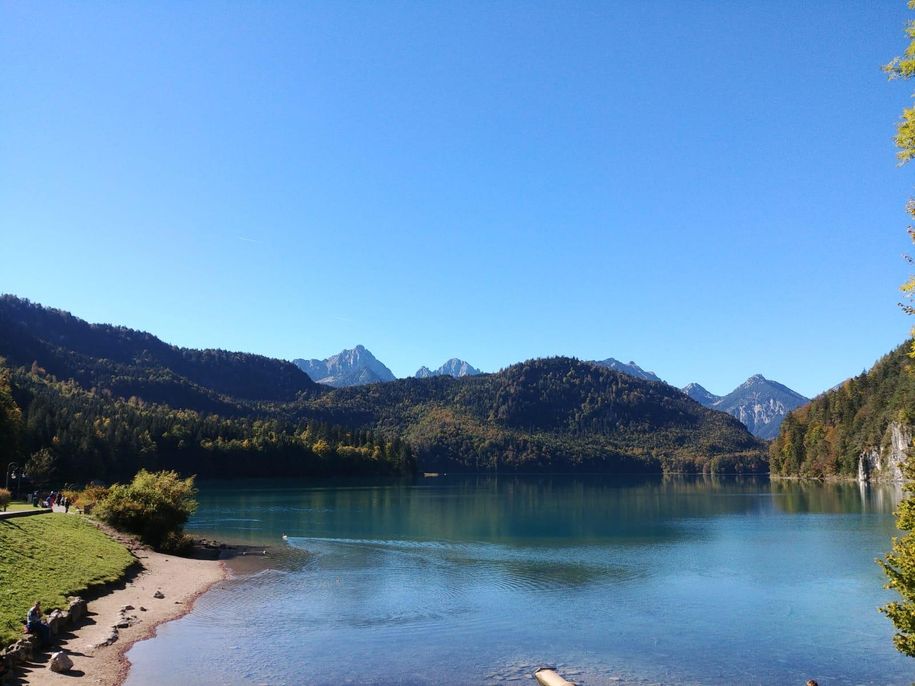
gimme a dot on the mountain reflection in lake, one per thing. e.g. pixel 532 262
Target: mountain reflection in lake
pixel 479 579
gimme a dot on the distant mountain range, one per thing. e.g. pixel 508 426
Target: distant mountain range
pixel 632 369
pixel 454 367
pixel 358 367
pixel 760 404
pixel 355 367
pixel 107 400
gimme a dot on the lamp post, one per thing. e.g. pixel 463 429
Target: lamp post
pixel 11 467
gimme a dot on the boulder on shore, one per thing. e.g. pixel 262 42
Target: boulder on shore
pixel 60 662
pixel 56 621
pixel 77 609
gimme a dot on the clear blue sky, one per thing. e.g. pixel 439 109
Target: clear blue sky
pixel 707 188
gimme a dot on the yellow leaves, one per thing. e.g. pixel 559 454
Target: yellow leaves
pixel 905 133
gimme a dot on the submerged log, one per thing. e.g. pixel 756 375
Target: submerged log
pixel 547 676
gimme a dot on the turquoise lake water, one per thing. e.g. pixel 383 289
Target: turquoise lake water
pixel 479 580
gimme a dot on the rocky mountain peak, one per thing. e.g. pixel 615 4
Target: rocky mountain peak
pixel 702 396
pixel 632 369
pixel 455 367
pixel 761 404
pixel 755 379
pixel 351 367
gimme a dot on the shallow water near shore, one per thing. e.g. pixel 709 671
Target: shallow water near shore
pixel 480 579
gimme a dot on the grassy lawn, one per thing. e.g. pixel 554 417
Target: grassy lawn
pixel 47 558
pixel 19 506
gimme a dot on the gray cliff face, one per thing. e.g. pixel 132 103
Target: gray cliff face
pixel 760 404
pixel 454 367
pixel 884 464
pixel 354 367
pixel 632 369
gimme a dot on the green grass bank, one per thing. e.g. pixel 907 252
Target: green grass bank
pixel 19 506
pixel 50 557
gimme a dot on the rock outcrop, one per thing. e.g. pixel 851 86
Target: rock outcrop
pixel 884 464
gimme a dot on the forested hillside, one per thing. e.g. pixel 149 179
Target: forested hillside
pixel 96 401
pixel 827 436
pixel 547 414
pixel 129 363
pixel 79 434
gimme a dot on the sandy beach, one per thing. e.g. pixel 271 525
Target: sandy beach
pixel 180 580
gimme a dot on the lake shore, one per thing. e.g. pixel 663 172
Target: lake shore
pixel 180 581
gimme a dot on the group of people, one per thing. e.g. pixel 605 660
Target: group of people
pixel 50 500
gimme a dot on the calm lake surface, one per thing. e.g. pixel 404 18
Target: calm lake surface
pixel 478 580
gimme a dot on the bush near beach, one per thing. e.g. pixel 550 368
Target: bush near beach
pixel 48 558
pixel 155 506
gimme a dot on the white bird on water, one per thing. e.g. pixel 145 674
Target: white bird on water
pixel 285 537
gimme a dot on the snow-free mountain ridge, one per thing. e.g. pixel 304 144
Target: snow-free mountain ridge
pixel 700 394
pixel 759 403
pixel 632 369
pixel 354 367
pixel 454 367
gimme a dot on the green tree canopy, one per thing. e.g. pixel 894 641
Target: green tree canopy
pixel 899 563
pixel 10 420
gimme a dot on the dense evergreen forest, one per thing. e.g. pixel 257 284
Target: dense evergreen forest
pixel 826 437
pixel 84 401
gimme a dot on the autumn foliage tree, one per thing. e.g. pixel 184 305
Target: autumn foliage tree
pixel 899 563
pixel 154 505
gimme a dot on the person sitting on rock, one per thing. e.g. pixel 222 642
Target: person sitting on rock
pixel 35 625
